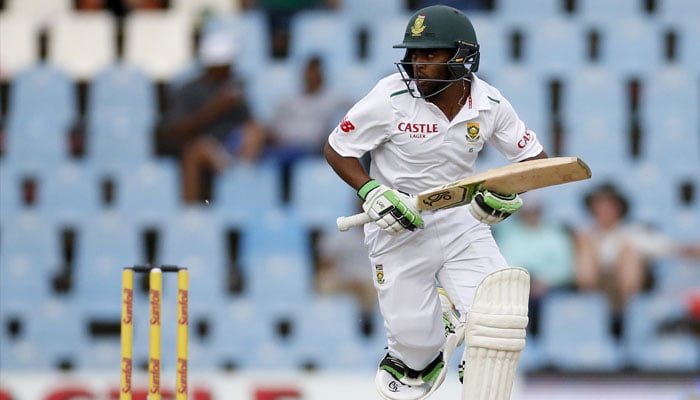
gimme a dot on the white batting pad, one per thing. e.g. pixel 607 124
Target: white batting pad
pixel 496 334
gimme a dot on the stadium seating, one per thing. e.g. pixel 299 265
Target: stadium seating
pixel 647 347
pixel 250 30
pixel 311 176
pixel 19 44
pixel 30 258
pixel 274 253
pixel 308 26
pixel 41 111
pixel 194 239
pixel 574 332
pixel 106 242
pixel 73 33
pixel 246 190
pixel 144 46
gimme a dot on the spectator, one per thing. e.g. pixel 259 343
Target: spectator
pixel 614 254
pixel 300 124
pixel 209 124
pixel 279 17
pixel 543 246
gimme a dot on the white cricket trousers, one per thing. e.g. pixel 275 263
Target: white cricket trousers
pixel 453 248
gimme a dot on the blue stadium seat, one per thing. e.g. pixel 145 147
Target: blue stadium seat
pixel 380 54
pixel 149 193
pixel 630 46
pixel 196 239
pixel 41 110
pixel 670 123
pixel 106 243
pixel 275 252
pixel 29 259
pixel 311 176
pixel 282 79
pixel 249 29
pixel 680 11
pixel 492 34
pixel 366 13
pixel 596 130
pixel 555 46
pixel 519 12
pixel 69 192
pixel 602 10
pixel 354 81
pixel 328 333
pixel 308 26
pixel 120 118
pixel 11 193
pixel 648 348
pixel 648 185
pixel 574 332
pixel 245 190
pixel 237 330
pixel 527 93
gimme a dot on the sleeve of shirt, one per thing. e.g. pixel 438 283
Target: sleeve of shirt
pixel 364 127
pixel 511 137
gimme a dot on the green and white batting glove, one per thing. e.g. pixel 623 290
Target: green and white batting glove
pixel 492 208
pixel 393 211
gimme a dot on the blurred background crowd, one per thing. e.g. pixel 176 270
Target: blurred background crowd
pixel 189 132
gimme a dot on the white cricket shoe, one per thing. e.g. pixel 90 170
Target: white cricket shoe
pixel 395 381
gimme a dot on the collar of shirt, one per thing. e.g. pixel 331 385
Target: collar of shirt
pixel 478 101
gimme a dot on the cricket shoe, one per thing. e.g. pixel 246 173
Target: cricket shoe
pixel 396 381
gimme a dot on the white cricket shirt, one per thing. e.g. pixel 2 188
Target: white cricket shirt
pixel 414 147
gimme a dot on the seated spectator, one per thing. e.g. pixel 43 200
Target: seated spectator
pixel 613 253
pixel 209 123
pixel 300 125
pixel 544 247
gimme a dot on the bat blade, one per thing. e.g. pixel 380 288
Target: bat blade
pixel 514 178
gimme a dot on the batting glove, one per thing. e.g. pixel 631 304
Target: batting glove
pixel 492 208
pixel 393 211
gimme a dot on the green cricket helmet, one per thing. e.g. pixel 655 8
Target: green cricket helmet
pixel 440 27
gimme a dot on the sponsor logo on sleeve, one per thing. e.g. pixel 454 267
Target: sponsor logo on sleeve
pixel 525 139
pixel 346 126
pixel 379 272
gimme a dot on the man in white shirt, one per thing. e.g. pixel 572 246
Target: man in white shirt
pixel 424 127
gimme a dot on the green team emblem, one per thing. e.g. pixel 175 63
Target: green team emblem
pixel 472 132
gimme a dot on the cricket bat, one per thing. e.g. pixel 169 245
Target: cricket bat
pixel 513 178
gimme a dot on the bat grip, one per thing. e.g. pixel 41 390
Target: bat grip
pixel 345 223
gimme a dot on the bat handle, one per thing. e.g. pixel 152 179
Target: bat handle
pixel 345 223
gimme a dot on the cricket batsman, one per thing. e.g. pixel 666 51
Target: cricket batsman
pixel 440 275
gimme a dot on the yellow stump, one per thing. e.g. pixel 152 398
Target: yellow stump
pixel 182 327
pixel 127 331
pixel 155 295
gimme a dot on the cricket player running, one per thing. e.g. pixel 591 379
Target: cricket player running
pixel 423 127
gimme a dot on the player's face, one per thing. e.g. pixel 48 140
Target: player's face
pixel 430 64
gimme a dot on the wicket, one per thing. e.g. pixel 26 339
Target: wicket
pixel 155 279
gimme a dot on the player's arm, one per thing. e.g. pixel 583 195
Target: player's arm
pixel 514 140
pixel 393 211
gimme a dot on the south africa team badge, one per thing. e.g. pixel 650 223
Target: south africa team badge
pixel 472 132
pixel 379 272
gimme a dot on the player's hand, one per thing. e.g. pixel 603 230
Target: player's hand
pixel 393 211
pixel 492 208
